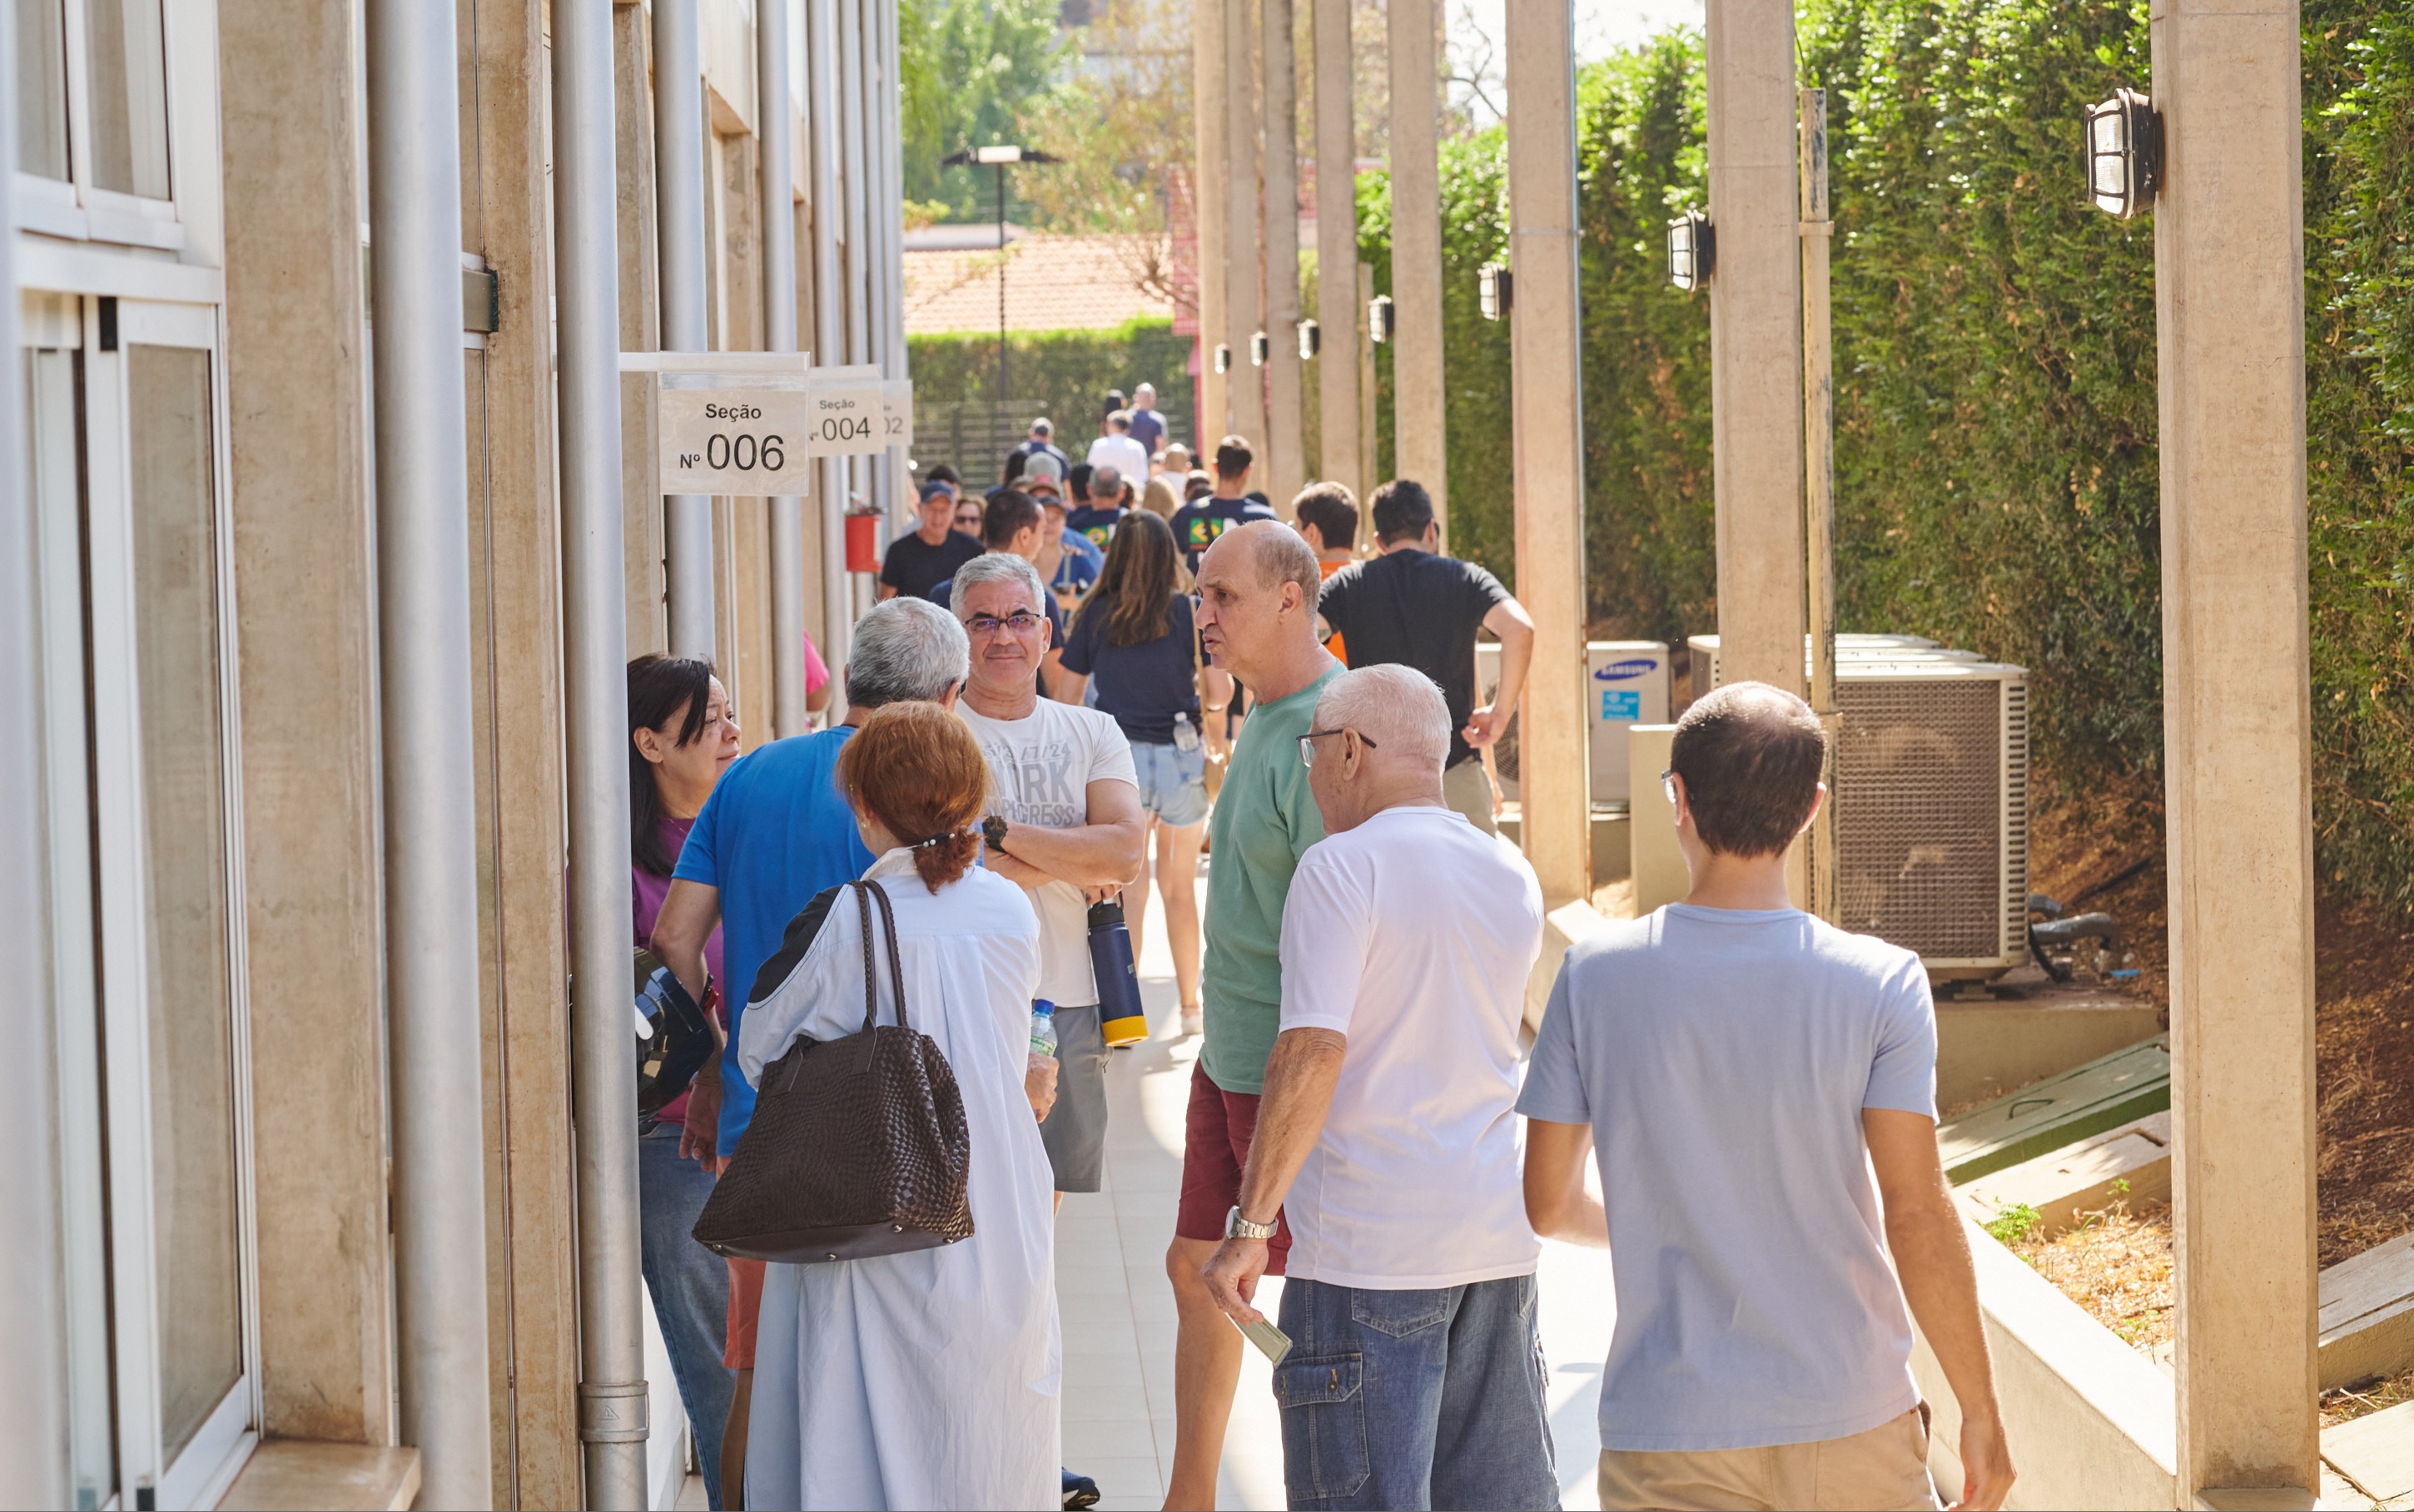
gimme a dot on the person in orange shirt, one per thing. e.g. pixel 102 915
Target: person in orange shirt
pixel 1326 516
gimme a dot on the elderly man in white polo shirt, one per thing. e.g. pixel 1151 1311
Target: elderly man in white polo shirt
pixel 1388 1136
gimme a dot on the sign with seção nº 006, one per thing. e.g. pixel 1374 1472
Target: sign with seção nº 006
pixel 760 440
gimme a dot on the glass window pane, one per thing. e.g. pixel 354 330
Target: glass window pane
pixel 129 97
pixel 191 1002
pixel 41 89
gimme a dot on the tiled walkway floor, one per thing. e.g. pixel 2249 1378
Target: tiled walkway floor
pixel 1118 1307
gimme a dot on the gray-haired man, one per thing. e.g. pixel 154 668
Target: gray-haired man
pixel 776 832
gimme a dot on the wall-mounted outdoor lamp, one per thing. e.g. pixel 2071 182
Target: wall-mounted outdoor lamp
pixel 1494 290
pixel 1223 357
pixel 1693 250
pixel 1381 319
pixel 2125 153
pixel 1259 350
pixel 1311 340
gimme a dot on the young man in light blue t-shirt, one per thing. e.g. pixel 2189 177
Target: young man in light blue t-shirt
pixel 1741 1069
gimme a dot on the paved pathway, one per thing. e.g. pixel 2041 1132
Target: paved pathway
pixel 1118 1307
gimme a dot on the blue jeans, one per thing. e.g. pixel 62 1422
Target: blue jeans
pixel 1414 1399
pixel 1172 781
pixel 689 1285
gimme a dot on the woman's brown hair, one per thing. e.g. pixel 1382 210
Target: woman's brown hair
pixel 917 770
pixel 1135 591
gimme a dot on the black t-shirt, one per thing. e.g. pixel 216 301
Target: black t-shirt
pixel 1418 610
pixel 1145 686
pixel 913 567
pixel 1197 525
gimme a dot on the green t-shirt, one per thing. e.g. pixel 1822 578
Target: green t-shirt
pixel 1265 818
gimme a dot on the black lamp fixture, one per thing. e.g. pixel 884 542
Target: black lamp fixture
pixel 1311 340
pixel 1382 318
pixel 1494 290
pixel 1223 357
pixel 1693 250
pixel 1260 348
pixel 2125 153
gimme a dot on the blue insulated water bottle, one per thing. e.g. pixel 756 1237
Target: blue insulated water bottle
pixel 1121 1019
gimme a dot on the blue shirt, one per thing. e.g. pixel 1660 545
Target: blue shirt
pixel 1197 525
pixel 1724 1058
pixel 775 832
pixel 1145 686
pixel 1080 565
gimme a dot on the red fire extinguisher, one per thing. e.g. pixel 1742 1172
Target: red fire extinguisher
pixel 863 542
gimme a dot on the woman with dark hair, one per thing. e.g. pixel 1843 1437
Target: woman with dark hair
pixel 928 1378
pixel 683 735
pixel 1134 635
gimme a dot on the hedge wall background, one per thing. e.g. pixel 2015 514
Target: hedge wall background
pixel 1064 374
pixel 1996 464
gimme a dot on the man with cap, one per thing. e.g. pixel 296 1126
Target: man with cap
pixel 1042 442
pixel 918 563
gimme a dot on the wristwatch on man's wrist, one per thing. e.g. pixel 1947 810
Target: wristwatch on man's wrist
pixel 994 831
pixel 1237 1227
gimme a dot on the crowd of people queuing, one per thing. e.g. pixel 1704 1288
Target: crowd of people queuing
pixel 1071 688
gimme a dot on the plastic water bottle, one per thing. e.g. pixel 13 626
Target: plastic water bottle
pixel 1043 1027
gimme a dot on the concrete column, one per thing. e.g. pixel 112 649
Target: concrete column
pixel 678 116
pixel 1208 188
pixel 829 312
pixel 1756 342
pixel 1418 414
pixel 1245 386
pixel 2230 309
pixel 1285 425
pixel 774 138
pixel 1546 393
pixel 1339 313
pixel 642 560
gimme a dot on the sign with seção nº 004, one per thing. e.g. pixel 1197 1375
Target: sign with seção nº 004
pixel 756 440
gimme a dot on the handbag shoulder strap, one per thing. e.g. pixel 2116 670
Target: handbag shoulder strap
pixel 870 978
pixel 868 892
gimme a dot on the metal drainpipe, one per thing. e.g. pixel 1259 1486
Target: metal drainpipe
pixel 772 139
pixel 34 1390
pixel 431 857
pixel 891 138
pixel 853 121
pixel 678 237
pixel 612 1392
pixel 829 327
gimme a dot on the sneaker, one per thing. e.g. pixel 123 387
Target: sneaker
pixel 1079 1491
pixel 1192 1024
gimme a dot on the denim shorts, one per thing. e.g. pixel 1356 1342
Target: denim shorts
pixel 1172 781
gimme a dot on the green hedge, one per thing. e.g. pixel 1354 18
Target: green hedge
pixel 1996 462
pixel 1064 374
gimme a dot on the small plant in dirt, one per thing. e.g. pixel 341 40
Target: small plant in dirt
pixel 2014 1224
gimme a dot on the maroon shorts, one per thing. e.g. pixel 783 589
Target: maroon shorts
pixel 1215 1146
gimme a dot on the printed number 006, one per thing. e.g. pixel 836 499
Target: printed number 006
pixel 744 452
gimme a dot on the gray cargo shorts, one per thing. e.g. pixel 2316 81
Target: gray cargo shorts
pixel 1074 1130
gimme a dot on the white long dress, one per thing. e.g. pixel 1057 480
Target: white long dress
pixel 929 1379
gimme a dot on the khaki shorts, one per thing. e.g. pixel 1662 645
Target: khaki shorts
pixel 1881 1470
pixel 1467 789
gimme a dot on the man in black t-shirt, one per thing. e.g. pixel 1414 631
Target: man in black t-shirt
pixel 1197 524
pixel 1414 606
pixel 918 563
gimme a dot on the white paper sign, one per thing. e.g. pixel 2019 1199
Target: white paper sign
pixel 736 441
pixel 845 417
pixel 900 393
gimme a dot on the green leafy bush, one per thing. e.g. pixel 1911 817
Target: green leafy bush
pixel 2013 1225
pixel 1064 374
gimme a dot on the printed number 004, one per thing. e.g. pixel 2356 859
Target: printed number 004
pixel 744 452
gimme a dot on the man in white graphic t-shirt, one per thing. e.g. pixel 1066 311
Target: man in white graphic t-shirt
pixel 1388 1134
pixel 1066 822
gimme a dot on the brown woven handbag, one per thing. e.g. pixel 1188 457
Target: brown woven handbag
pixel 858 1146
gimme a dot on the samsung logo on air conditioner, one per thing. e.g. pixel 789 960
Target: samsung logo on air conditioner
pixel 1618 672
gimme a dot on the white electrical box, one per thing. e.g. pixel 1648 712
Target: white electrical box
pixel 1626 684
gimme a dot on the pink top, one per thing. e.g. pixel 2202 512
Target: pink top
pixel 816 671
pixel 646 894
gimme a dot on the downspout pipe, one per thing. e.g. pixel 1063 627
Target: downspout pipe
pixel 854 120
pixel 431 857
pixel 34 1390
pixel 612 1391
pixel 679 240
pixel 772 139
pixel 829 325
pixel 891 139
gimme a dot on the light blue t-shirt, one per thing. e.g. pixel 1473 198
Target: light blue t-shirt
pixel 1724 1058
pixel 775 832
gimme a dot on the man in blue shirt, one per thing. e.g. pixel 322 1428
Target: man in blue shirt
pixel 1147 425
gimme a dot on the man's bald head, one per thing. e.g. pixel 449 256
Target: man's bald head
pixel 1276 555
pixel 1750 756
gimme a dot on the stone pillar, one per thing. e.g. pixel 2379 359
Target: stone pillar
pixel 2230 310
pixel 1285 425
pixel 1338 309
pixel 1245 385
pixel 1546 384
pixel 1208 186
pixel 1756 342
pixel 313 904
pixel 1417 408
pixel 633 162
